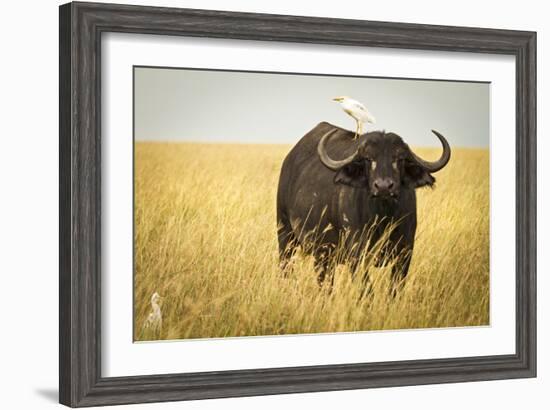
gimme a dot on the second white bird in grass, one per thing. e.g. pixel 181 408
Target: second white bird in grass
pixel 357 111
pixel 153 323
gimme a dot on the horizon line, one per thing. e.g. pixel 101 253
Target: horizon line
pixel 174 141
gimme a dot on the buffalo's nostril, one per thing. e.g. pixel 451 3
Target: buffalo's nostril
pixel 383 186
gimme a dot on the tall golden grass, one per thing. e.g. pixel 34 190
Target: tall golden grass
pixel 205 240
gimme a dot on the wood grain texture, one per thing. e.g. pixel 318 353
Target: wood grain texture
pixel 81 26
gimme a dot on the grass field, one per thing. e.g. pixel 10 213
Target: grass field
pixel 205 240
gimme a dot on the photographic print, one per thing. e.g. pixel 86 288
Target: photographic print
pixel 270 204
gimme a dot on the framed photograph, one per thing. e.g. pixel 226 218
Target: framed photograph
pixel 259 204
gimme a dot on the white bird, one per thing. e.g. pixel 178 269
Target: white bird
pixel 357 111
pixel 154 320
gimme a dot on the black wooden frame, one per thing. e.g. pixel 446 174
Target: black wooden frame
pixel 81 26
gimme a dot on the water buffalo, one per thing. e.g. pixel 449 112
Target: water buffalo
pixel 338 187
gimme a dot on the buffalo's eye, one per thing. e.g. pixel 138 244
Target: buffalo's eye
pixel 367 156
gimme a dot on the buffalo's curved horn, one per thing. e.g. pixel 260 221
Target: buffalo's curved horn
pixel 330 163
pixel 441 162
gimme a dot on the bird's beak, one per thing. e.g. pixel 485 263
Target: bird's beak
pixel 337 99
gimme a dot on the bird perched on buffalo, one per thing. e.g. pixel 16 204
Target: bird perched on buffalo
pixel 357 111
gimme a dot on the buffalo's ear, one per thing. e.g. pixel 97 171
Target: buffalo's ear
pixel 353 175
pixel 416 176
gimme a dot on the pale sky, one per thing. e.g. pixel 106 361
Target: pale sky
pixel 228 106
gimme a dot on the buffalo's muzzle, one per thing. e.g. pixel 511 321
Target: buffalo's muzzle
pixel 384 187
